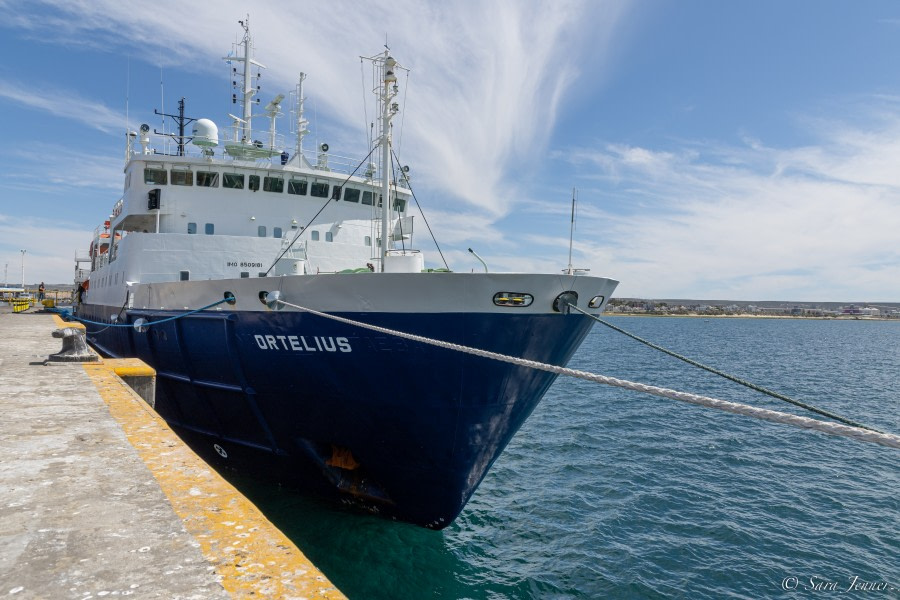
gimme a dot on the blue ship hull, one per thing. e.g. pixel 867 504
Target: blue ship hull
pixel 401 428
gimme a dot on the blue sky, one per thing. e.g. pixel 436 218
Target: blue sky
pixel 726 150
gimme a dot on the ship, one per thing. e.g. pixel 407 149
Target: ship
pixel 275 290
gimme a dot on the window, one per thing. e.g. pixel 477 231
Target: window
pixel 336 192
pixel 254 182
pixel 245 275
pixel 261 231
pixel 155 176
pixel 513 299
pixel 315 236
pixel 234 181
pixel 182 177
pixel 210 228
pixel 207 179
pixel 184 275
pixel 128 181
pixel 276 232
pixel 367 198
pixel 368 240
pixel 261 274
pixel 298 186
pixel 319 189
pixel 379 200
pixel 273 184
pixel 192 228
pixel 351 195
pixel 399 204
pixel 329 237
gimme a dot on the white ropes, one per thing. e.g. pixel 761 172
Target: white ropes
pixel 863 435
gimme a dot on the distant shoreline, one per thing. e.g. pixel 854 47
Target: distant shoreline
pixel 751 316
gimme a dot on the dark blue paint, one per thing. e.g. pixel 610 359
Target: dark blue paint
pixel 423 423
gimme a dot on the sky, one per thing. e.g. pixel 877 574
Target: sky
pixel 720 150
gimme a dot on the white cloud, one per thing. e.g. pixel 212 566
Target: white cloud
pixel 756 222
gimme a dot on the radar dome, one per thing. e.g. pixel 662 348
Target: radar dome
pixel 205 133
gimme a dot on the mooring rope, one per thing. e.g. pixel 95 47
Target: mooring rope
pixel 838 429
pixel 729 377
pixel 151 323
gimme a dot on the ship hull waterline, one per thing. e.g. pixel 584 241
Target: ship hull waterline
pixel 396 427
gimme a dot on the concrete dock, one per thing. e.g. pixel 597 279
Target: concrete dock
pixel 99 498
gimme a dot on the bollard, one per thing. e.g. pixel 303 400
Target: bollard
pixel 74 348
pixel 139 376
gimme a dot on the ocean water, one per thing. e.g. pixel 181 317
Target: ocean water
pixel 607 493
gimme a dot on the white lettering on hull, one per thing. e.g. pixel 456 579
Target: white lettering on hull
pixel 302 343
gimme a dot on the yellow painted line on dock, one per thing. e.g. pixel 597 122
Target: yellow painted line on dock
pixel 253 558
pixel 61 324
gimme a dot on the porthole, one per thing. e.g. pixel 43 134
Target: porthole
pixel 513 299
pixel 596 301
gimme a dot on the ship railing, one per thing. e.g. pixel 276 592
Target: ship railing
pixel 318 160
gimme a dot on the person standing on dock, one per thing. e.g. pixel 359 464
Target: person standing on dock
pixel 41 292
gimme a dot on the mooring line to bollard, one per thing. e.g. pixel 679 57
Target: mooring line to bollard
pixel 229 299
pixel 738 380
pixel 838 429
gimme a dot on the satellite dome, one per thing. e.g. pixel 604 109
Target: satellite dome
pixel 205 133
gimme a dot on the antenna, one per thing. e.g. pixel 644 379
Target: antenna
pixel 127 89
pixel 273 109
pixel 181 121
pixel 569 270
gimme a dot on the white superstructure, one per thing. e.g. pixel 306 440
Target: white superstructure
pixel 243 206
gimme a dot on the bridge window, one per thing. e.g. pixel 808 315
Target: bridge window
pixel 336 192
pixel 399 204
pixel 298 187
pixel 155 176
pixel 245 274
pixel 315 236
pixel 273 184
pixel 329 237
pixel 192 228
pixel 207 179
pixel 210 228
pixel 276 232
pixel 367 198
pixel 234 181
pixel 261 231
pixel 368 240
pixel 351 195
pixel 184 275
pixel 182 177
pixel 319 189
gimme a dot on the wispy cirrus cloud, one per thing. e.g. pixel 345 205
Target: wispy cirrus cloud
pixel 486 85
pixel 66 104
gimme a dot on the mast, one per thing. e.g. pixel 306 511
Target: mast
pixel 570 270
pixel 387 93
pixel 247 88
pixel 301 121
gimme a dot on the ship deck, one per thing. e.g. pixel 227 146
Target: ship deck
pixel 99 497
